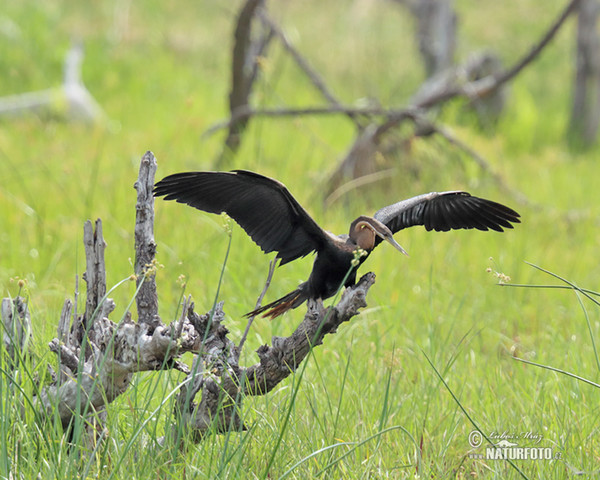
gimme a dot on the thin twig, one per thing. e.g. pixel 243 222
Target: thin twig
pixel 260 48
pixel 272 265
pixel 247 112
pixel 310 72
pixel 485 85
pixel 536 49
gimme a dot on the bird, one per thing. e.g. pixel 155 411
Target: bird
pixel 275 221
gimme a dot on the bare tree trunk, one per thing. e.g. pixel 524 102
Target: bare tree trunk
pixel 436 33
pixel 585 113
pixel 244 71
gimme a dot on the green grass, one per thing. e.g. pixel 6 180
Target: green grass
pixel 369 404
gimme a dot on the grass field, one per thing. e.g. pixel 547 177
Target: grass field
pixel 370 403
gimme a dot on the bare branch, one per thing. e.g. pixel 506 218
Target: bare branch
pixel 394 116
pixel 222 392
pixel 437 90
pixel 259 49
pixel 489 83
pixel 247 112
pixel 281 359
pixel 310 72
pixel 537 48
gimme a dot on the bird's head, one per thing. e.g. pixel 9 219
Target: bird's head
pixel 364 230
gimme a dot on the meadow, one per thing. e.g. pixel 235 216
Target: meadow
pixel 397 391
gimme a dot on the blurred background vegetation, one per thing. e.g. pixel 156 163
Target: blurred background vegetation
pixel 161 72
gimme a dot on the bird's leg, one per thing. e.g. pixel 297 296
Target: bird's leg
pixel 272 265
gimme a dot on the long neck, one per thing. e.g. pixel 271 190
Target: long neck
pixel 362 234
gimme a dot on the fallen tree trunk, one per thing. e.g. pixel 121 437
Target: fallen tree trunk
pixel 98 357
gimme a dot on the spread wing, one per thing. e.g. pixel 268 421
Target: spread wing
pixel 263 207
pixel 447 211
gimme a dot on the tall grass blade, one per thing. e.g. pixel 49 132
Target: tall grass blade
pixel 464 410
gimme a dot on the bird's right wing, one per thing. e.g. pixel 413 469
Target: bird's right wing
pixel 447 211
pixel 262 206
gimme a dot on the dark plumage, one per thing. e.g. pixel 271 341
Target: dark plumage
pixel 273 218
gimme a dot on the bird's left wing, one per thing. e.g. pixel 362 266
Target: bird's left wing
pixel 262 206
pixel 447 211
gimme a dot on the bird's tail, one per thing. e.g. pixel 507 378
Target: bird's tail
pixel 281 305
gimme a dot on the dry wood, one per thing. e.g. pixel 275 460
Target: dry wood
pixel 145 246
pixel 98 357
pixel 459 82
pixel 480 79
pixel 585 112
pixel 17 333
pixel 436 33
pixel 305 66
pixel 243 73
pixel 95 273
pixel 245 65
pixel 223 384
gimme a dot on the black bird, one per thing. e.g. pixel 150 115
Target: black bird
pixel 273 218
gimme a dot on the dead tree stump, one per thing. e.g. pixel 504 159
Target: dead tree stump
pixel 97 357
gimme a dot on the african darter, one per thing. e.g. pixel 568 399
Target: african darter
pixel 273 218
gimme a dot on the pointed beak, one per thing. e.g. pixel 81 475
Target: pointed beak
pixel 390 239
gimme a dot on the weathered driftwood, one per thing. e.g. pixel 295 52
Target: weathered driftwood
pixel 98 357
